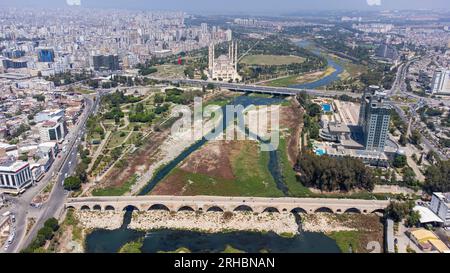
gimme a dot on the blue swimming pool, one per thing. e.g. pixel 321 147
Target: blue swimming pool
pixel 326 107
pixel 320 152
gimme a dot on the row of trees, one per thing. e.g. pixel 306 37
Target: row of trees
pixel 46 233
pixel 117 98
pixel 312 116
pixel 437 177
pixel 331 174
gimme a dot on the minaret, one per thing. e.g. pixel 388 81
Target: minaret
pixel 211 59
pixel 236 57
pixel 232 52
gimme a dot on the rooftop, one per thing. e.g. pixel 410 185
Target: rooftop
pixel 427 216
pixel 12 166
pixel 443 196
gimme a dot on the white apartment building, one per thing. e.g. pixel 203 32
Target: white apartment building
pixel 441 82
pixel 15 175
pixel 440 205
pixel 48 115
pixel 52 130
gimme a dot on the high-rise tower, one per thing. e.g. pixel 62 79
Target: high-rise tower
pixel 374 118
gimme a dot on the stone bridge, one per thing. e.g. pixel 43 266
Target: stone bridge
pixel 215 203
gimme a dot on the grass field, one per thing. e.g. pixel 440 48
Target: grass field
pixel 271 60
pixel 246 167
pixel 347 240
pixel 116 191
pixel 300 79
pixel 169 71
pixel 295 188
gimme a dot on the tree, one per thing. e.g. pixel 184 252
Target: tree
pixel 331 174
pixel 399 161
pixel 437 177
pixel 403 139
pixel 413 219
pixel 52 223
pixel 397 211
pixel 116 153
pixel 46 232
pixel 409 177
pixel 314 110
pixel 159 98
pixel 416 138
pixel 72 183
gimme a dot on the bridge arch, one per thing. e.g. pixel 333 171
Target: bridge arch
pixel 186 208
pixel 378 211
pixel 215 209
pixel 271 210
pixel 109 208
pixel 85 207
pixel 353 210
pixel 130 208
pixel 243 208
pixel 158 207
pixel 324 210
pixel 299 210
pixel 97 207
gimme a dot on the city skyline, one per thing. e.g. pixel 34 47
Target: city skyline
pixel 234 6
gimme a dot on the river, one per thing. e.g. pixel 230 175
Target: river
pixel 245 101
pixel 325 80
pixel 110 241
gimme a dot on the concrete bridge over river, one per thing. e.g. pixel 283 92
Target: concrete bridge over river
pixel 216 203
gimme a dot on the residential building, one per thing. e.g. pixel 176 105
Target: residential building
pixel 374 118
pixel 15 175
pixel 48 114
pixel 105 62
pixel 46 55
pixel 52 130
pixel 440 204
pixel 441 82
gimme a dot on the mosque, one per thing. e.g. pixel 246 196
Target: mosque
pixel 224 67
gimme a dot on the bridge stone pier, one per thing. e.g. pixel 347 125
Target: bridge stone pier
pixel 215 203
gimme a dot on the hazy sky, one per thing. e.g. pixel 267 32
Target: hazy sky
pixel 247 6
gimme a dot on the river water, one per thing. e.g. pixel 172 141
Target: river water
pixel 245 101
pixel 110 241
pixel 325 80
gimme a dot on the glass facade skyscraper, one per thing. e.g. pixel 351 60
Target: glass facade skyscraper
pixel 374 118
pixel 46 55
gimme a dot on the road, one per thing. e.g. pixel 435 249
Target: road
pixel 269 89
pixel 399 89
pixel 51 208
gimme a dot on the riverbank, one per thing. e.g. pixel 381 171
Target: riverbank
pixel 348 231
pixel 352 232
pixel 209 222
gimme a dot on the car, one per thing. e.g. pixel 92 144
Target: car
pixel 6 247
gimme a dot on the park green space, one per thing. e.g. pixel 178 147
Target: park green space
pixel 271 59
pixel 300 79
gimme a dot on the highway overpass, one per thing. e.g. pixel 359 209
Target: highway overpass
pixel 269 90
